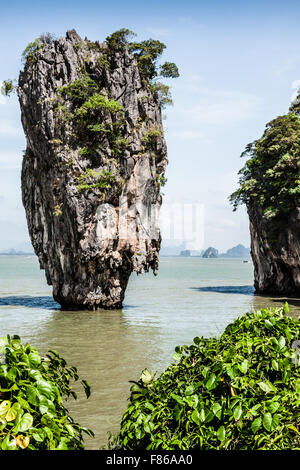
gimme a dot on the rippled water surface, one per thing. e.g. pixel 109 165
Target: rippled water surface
pixel 190 297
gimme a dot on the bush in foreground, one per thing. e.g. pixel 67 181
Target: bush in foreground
pixel 238 391
pixel 32 388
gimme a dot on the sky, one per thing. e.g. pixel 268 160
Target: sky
pixel 239 66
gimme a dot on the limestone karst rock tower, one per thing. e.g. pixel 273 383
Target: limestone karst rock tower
pixel 93 167
pixel 270 188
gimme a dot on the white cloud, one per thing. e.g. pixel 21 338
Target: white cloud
pixel 165 32
pixel 224 108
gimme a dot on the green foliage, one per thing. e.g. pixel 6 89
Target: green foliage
pixel 169 70
pixel 270 179
pixel 118 40
pixel 162 180
pixel 80 90
pixel 147 53
pixel 163 94
pixel 8 87
pixel 29 53
pixel 98 102
pixel 32 389
pixel 238 391
pixel 150 138
pixel 91 179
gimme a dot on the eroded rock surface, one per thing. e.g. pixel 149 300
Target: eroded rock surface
pixel 91 172
pixel 275 251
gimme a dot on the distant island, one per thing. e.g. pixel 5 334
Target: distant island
pixel 12 251
pixel 238 251
pixel 211 252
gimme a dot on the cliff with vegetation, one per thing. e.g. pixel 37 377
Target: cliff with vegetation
pixel 94 163
pixel 270 188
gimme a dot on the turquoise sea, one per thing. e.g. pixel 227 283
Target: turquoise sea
pixel 189 297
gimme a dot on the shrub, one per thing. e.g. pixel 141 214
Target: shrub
pixel 8 87
pixel 98 102
pixel 118 40
pixel 80 90
pixel 150 138
pixel 162 180
pixel 238 391
pixel 31 49
pixel 99 179
pixel 270 179
pixel 32 389
pixel 163 94
pixel 169 70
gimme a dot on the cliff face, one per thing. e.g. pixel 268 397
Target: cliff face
pixel 92 169
pixel 275 250
pixel 269 186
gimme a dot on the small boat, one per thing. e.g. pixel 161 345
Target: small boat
pixel 246 261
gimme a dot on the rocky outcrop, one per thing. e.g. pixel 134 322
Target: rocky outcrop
pixel 92 169
pixel 210 252
pixel 275 251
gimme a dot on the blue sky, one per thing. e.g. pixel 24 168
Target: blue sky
pixel 239 64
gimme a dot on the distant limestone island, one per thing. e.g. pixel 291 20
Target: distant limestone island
pixel 12 251
pixel 238 251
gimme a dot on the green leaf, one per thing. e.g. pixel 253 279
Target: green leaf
pixel 217 410
pixel 243 366
pixel 87 388
pixel 38 435
pixel 13 412
pixel 256 424
pixel 270 422
pixel 281 342
pixel 4 407
pixel 273 406
pixel 34 359
pixel 212 382
pixel 24 424
pixel 267 387
pixel 195 417
pixel 45 388
pixel 32 395
pixel 189 390
pixel 221 433
pixel 202 416
pixel 9 444
pixel 177 398
pixel 146 377
pixel 237 412
pixel 192 401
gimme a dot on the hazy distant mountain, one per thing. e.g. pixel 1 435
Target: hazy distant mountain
pixel 12 251
pixel 23 248
pixel 172 250
pixel 211 252
pixel 191 253
pixel 238 251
